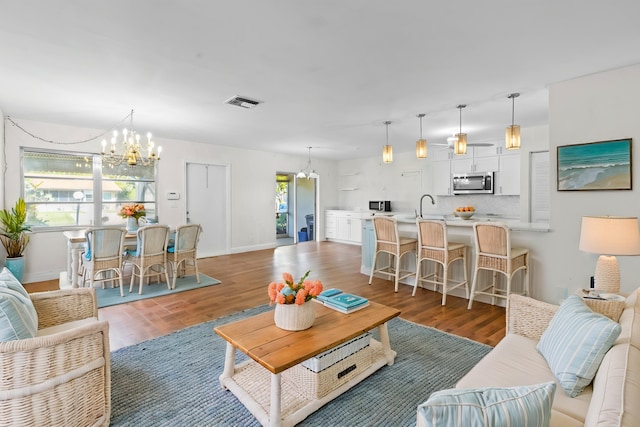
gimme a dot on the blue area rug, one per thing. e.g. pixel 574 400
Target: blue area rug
pixel 111 296
pixel 173 380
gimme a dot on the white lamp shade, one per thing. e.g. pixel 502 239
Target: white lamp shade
pixel 608 235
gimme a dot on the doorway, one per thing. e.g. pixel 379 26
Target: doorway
pixel 306 208
pixel 295 209
pixel 207 204
pixel 285 224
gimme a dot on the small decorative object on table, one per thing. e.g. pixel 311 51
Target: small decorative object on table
pixel 132 212
pixel 292 311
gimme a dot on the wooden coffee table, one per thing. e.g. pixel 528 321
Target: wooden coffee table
pixel 258 382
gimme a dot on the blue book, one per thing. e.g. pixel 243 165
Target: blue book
pixel 326 294
pixel 346 301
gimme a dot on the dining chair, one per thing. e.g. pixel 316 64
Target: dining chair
pixel 103 255
pixel 389 241
pixel 494 253
pixel 150 252
pixel 434 246
pixel 184 251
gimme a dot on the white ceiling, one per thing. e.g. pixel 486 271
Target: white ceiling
pixel 329 71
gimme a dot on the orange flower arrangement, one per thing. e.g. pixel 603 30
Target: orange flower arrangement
pixel 134 210
pixel 294 293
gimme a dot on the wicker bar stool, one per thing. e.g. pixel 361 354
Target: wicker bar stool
pixel 389 241
pixel 494 253
pixel 434 245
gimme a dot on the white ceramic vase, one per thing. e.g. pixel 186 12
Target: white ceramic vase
pixel 132 224
pixel 294 317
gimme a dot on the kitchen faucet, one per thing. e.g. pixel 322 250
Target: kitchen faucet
pixel 433 202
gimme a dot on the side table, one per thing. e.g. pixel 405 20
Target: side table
pixel 610 308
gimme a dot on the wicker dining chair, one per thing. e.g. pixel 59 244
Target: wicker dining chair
pixel 434 245
pixel 105 246
pixel 389 241
pixel 495 253
pixel 184 251
pixel 151 251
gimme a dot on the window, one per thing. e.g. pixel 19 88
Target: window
pixel 68 189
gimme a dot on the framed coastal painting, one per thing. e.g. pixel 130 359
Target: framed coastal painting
pixel 603 165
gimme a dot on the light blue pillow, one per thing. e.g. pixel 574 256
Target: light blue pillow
pixel 523 406
pixel 8 280
pixel 18 317
pixel 575 343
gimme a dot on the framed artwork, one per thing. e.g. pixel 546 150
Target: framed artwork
pixel 603 165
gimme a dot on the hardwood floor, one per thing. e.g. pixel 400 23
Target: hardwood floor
pixel 245 278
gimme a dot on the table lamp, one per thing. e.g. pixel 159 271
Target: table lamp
pixel 609 236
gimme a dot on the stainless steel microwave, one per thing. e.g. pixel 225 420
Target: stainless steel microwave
pixel 380 205
pixel 473 183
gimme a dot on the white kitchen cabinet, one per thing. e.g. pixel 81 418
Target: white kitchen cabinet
pixel 343 226
pixel 441 178
pixel 330 224
pixel 508 175
pixel 477 159
pixel 439 153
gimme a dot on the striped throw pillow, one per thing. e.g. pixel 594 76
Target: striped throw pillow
pixel 575 343
pixel 18 317
pixel 523 406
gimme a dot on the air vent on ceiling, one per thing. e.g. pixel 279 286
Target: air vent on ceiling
pixel 242 101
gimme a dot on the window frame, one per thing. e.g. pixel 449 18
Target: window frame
pixel 97 178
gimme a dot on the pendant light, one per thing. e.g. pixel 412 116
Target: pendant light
pixel 421 144
pixel 512 135
pixel 308 172
pixel 387 150
pixel 460 146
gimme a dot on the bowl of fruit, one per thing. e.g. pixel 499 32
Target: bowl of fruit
pixel 464 212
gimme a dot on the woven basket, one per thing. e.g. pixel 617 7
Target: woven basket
pixel 294 317
pixel 316 385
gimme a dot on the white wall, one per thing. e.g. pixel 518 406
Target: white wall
pixel 252 188
pixel 593 108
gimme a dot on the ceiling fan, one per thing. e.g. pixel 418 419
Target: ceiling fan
pixel 452 139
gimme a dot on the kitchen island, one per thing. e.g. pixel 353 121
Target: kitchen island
pixel 523 234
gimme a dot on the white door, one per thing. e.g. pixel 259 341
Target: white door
pixel 208 205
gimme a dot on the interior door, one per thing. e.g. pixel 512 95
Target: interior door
pixel 208 205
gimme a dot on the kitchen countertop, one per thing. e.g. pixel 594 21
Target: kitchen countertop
pixel 452 221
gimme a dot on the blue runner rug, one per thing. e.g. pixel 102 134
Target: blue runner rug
pixel 111 296
pixel 173 380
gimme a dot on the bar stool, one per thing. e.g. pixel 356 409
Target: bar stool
pixel 434 245
pixel 389 241
pixel 494 253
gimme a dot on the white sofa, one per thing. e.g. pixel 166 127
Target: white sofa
pixel 613 398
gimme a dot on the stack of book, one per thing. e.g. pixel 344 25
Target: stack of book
pixel 339 301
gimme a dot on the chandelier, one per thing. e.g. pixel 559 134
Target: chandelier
pixel 130 150
pixel 308 172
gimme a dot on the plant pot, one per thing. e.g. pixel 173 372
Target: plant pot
pixel 294 317
pixel 15 266
pixel 132 224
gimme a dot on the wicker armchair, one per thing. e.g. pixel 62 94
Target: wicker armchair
pixel 61 377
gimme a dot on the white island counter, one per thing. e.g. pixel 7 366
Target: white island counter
pixel 523 234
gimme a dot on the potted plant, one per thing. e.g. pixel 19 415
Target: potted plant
pixel 14 237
